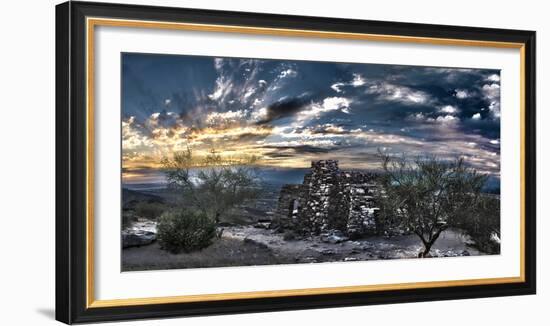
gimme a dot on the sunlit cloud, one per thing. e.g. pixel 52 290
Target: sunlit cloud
pixel 403 94
pixel 449 109
pixel 494 78
pixel 492 94
pixel 357 81
pixel 133 137
pixel 287 73
pixel 461 93
pixel 225 118
pixel 316 110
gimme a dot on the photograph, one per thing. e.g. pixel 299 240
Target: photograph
pixel 213 161
pixel 232 161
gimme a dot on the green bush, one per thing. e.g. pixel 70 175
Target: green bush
pixel 149 210
pixel 185 231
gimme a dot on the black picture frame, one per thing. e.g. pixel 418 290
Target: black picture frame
pixel 71 157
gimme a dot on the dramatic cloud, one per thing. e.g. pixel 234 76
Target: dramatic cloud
pixel 316 110
pixel 357 81
pixel 222 89
pixel 461 93
pixel 449 109
pixel 492 94
pixel 134 136
pixel 290 112
pixel 225 118
pixel 390 92
pixel 287 73
pixel 282 108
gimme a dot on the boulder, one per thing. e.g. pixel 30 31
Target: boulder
pixel 328 252
pixel 262 225
pixel 333 238
pixel 137 238
pixel 256 243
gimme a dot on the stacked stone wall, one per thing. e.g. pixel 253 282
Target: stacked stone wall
pixel 330 199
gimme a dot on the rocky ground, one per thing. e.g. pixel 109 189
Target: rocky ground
pixel 332 247
pixel 259 245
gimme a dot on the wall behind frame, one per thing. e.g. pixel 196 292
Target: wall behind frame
pixel 27 165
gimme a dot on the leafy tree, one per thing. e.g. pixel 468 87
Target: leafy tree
pixel 213 185
pixel 428 195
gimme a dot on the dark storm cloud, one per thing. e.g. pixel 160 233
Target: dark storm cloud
pixel 285 107
pixel 277 154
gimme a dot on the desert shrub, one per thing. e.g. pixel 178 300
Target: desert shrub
pixel 149 210
pixel 185 231
pixel 483 225
pixel 128 218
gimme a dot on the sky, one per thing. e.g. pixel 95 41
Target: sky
pixel 287 113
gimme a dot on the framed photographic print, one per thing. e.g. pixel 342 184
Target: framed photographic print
pixel 214 162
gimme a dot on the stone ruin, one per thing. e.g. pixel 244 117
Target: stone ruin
pixel 329 200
